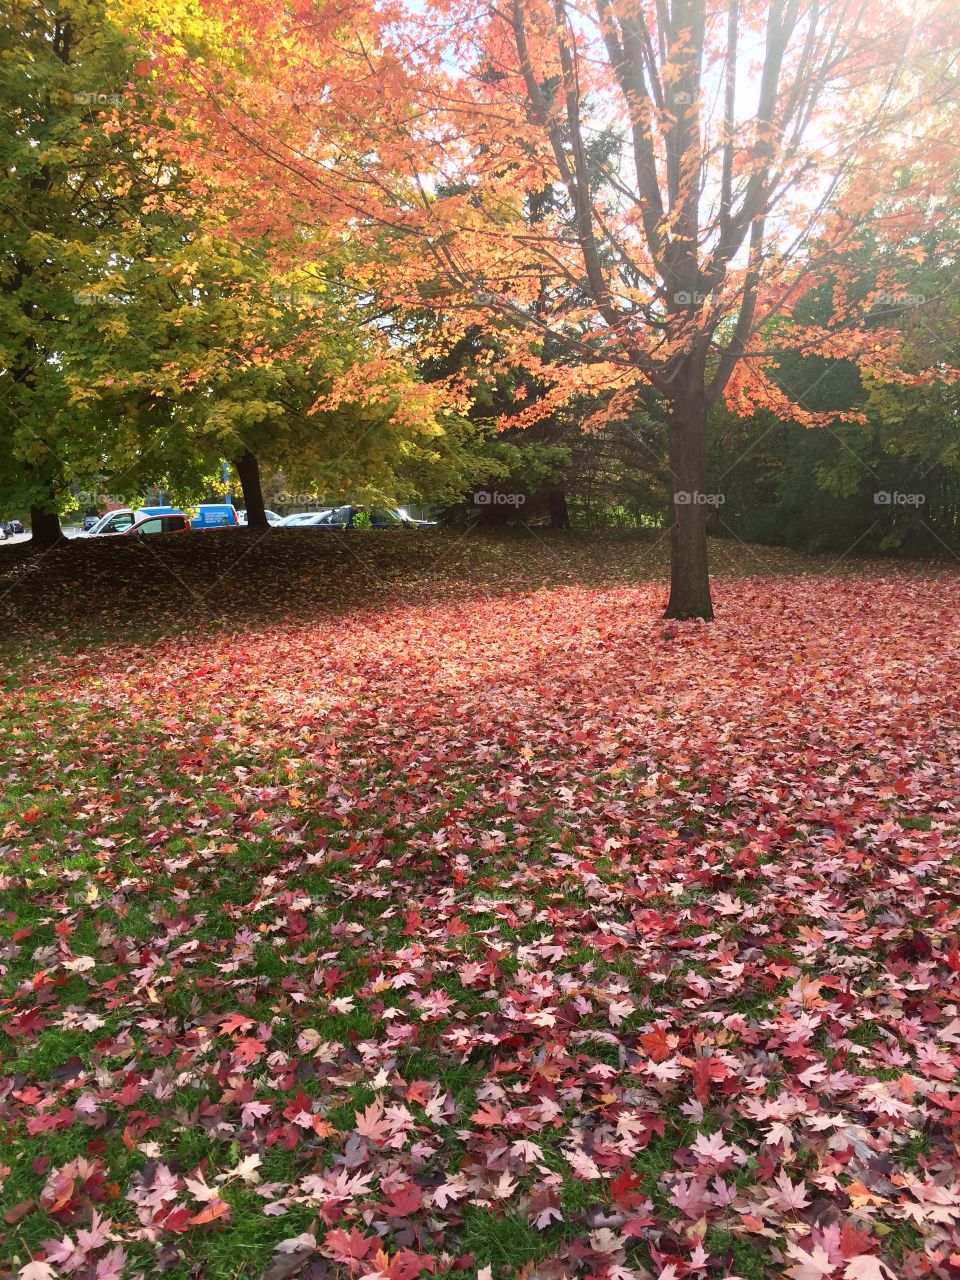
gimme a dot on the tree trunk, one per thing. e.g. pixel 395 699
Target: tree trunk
pixel 559 515
pixel 45 531
pixel 493 515
pixel 689 576
pixel 248 469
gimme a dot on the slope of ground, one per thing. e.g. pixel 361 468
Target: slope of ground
pixel 491 932
pixel 107 589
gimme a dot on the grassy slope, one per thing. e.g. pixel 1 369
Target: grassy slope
pixel 463 833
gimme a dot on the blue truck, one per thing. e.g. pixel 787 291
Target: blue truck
pixel 215 515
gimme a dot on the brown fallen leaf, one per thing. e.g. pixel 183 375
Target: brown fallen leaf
pixel 18 1211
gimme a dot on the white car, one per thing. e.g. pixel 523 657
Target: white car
pixel 124 518
pixel 149 525
pixel 304 518
pixel 272 517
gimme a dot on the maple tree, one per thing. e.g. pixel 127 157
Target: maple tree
pixel 819 489
pixel 141 345
pixel 96 240
pixel 751 140
pixel 238 363
pixel 66 180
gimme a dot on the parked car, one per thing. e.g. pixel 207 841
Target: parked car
pixel 13 526
pixel 303 517
pixel 123 518
pixel 413 522
pixel 344 517
pixel 380 518
pixel 118 521
pixel 88 522
pixel 272 517
pixel 336 518
pixel 215 515
pixel 386 518
pixel 397 517
pixel 148 525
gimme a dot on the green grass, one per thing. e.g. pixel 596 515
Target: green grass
pixel 246 828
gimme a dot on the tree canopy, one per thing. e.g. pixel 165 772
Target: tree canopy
pixel 751 142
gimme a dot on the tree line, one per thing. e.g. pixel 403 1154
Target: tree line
pixel 596 265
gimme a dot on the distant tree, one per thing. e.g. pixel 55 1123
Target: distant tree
pixel 140 343
pixel 287 373
pixel 68 182
pixel 825 489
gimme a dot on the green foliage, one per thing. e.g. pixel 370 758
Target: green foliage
pixel 68 180
pixel 140 347
pixel 890 482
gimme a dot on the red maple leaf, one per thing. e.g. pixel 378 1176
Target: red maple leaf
pixel 487 1116
pixel 347 1246
pixel 404 1265
pixel 623 1188
pixel 211 1212
pixel 235 1022
pixel 406 1199
pixel 248 1049
pixel 704 1071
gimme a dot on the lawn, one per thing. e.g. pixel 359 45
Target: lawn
pixel 355 921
